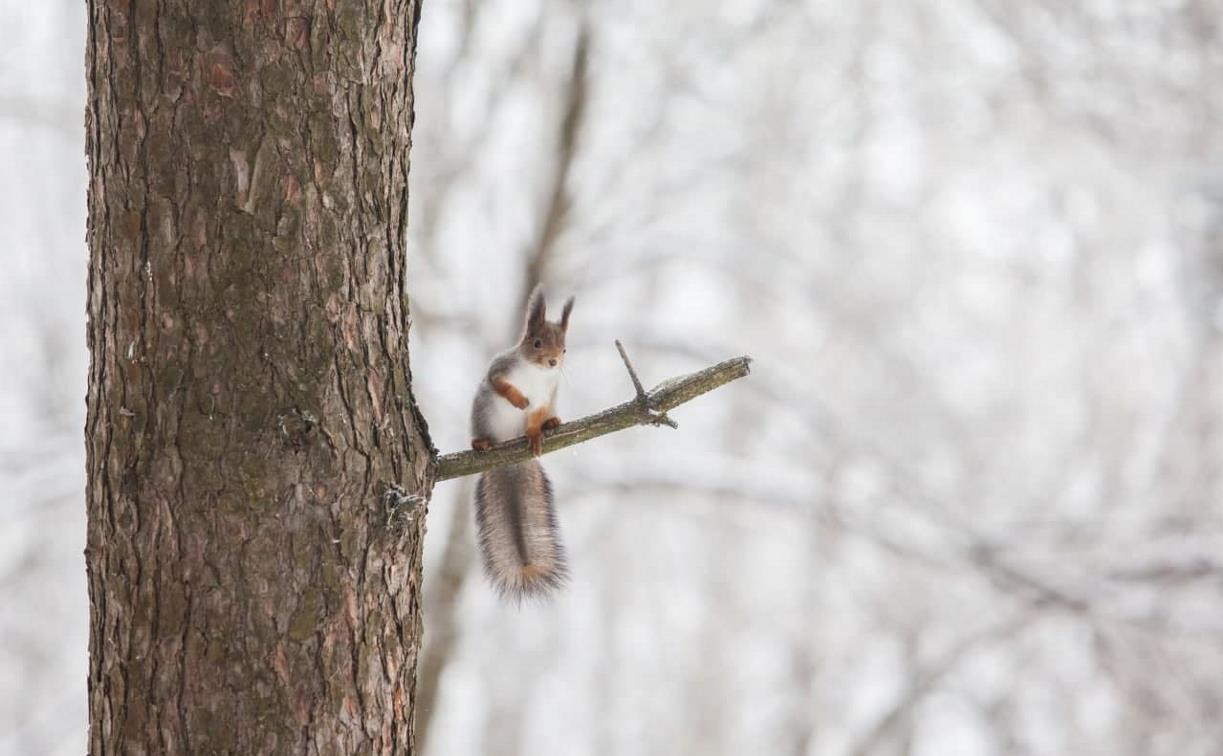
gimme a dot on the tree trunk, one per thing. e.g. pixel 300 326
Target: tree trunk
pixel 257 468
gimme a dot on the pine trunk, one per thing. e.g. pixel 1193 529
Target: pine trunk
pixel 256 464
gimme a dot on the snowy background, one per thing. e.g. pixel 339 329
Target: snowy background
pixel 970 500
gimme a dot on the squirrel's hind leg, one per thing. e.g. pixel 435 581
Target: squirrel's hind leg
pixel 535 430
pixel 481 444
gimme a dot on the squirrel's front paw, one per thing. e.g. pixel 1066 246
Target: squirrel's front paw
pixel 522 402
pixel 481 444
pixel 552 422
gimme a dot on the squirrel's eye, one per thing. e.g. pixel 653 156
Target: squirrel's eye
pixel 539 343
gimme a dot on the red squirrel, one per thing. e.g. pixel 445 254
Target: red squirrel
pixel 515 515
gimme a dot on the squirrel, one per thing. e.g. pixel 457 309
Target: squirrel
pixel 515 515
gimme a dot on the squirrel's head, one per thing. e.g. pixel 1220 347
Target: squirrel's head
pixel 543 342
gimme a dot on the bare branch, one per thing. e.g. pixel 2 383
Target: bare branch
pixel 652 411
pixel 659 418
pixel 631 373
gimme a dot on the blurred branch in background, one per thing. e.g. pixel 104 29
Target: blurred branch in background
pixel 966 418
pixel 48 116
pixel 44 626
pixel 457 562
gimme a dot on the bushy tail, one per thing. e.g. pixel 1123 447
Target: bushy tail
pixel 519 537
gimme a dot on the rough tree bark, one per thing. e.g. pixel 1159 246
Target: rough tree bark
pixel 256 464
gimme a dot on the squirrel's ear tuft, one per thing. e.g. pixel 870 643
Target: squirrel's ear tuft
pixel 565 313
pixel 536 310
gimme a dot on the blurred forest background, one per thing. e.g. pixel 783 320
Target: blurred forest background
pixel 969 502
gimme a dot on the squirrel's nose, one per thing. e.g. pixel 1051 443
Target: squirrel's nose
pixel 552 362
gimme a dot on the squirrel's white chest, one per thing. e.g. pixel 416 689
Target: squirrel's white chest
pixel 537 385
